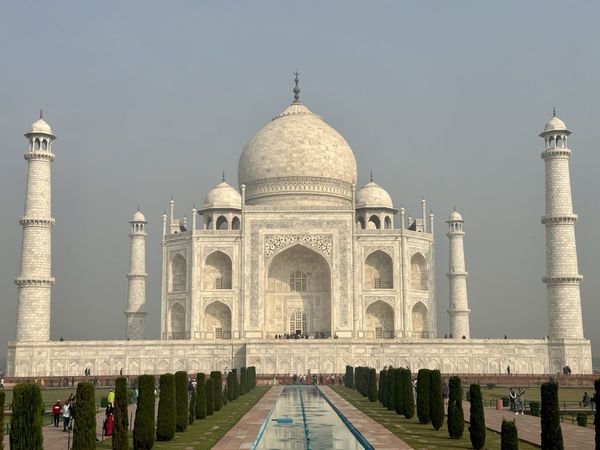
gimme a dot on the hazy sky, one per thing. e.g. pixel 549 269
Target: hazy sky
pixel 441 99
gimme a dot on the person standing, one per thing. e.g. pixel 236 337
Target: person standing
pixel 512 399
pixel 56 412
pixel 66 413
pixel 521 401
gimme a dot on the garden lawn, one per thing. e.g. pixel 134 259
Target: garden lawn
pixel 204 434
pixel 49 396
pixel 412 432
pixel 565 394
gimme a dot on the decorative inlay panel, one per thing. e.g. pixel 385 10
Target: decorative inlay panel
pixel 276 242
pixel 225 300
pixel 372 299
pixel 385 249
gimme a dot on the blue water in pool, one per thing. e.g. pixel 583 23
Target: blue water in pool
pixel 325 428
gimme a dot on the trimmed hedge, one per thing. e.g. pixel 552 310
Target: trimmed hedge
pixel 436 402
pixel 225 395
pixel 372 385
pixel 550 421
pixel 84 430
pixel 534 408
pixel 391 389
pixel 120 441
pixel 597 415
pixel 456 416
pixel 243 381
pixel 26 418
pixel 407 392
pixel 200 396
pixel 167 412
pixel 423 403
pixel 2 399
pixel 477 418
pixel 181 401
pixel 382 393
pixel 509 436
pixel 192 409
pixel 235 384
pixel 398 391
pixel 210 397
pixel 143 428
pixel 349 377
pixel 218 389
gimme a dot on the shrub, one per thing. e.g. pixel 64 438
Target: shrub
pixel 235 384
pixel 2 398
pixel 582 419
pixel 26 418
pixel 218 389
pixel 181 401
pixel 381 387
pixel 391 389
pixel 210 397
pixel 120 441
pixel 167 413
pixel 597 416
pixel 200 396
pixel 243 381
pixel 491 386
pixel 550 421
pixel 407 392
pixel 252 374
pixel 349 377
pixel 477 425
pixel 398 391
pixel 230 387
pixel 192 410
pixel 456 416
pixel 225 395
pixel 84 430
pixel 436 402
pixel 534 408
pixel 423 404
pixel 372 385
pixel 509 437
pixel 143 429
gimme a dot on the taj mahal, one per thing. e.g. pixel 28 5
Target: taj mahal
pixel 298 269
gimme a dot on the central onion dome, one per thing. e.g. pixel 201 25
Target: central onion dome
pixel 297 158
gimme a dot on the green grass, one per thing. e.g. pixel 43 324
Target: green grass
pixel 566 394
pixel 204 434
pixel 49 396
pixel 412 432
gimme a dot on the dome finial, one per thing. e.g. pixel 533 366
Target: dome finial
pixel 554 111
pixel 41 113
pixel 371 179
pixel 296 88
pixel 223 175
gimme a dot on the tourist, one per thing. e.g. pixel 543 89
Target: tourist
pixel 109 420
pixel 512 398
pixel 508 370
pixel 585 401
pixel 56 412
pixel 73 409
pixel 66 414
pixel 2 383
pixel 445 392
pixel 520 401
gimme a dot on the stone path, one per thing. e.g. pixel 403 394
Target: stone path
pixel 574 436
pixel 57 439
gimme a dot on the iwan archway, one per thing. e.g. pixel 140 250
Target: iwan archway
pixel 298 294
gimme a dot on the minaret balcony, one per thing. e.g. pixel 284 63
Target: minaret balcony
pixel 37 221
pixel 31 281
pixel 559 218
pixel 571 279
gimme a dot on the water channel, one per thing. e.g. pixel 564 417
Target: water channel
pixel 307 421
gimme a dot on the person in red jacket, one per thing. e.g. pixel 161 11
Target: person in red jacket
pixel 56 412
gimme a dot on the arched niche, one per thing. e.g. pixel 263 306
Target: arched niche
pixel 374 223
pixel 298 280
pixel 217 271
pixel 379 271
pixel 235 223
pixel 419 320
pixel 177 321
pixel 217 320
pixel 387 223
pixel 379 321
pixel 418 273
pixel 361 222
pixel 178 273
pixel 222 223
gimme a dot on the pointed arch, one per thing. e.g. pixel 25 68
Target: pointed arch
pixel 208 223
pixel 379 320
pixel 217 320
pixel 217 271
pixel 374 223
pixel 361 222
pixel 44 144
pixel 379 271
pixel 36 144
pixel 235 223
pixel 418 272
pixel 177 321
pixel 178 273
pixel 387 223
pixel 222 223
pixel 419 320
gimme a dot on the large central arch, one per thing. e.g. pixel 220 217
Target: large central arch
pixel 298 283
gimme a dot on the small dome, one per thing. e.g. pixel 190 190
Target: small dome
pixel 138 217
pixel 373 196
pixel 222 196
pixel 555 124
pixel 40 126
pixel 455 217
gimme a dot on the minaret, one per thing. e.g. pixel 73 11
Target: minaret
pixel 137 278
pixel 562 275
pixel 35 280
pixel 459 303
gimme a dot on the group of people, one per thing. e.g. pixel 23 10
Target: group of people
pixel 318 335
pixel 516 400
pixel 64 411
pixel 109 418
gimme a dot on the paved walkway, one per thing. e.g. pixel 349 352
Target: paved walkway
pixel 574 436
pixel 57 439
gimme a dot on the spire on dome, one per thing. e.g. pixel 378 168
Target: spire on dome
pixel 41 113
pixel 554 111
pixel 223 175
pixel 296 88
pixel 371 179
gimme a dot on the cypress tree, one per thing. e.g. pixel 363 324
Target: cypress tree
pixel 218 387
pixel 252 377
pixel 477 425
pixel 382 388
pixel 456 416
pixel 349 377
pixel 2 399
pixel 120 441
pixel 372 385
pixel 225 395
pixel 391 389
pixel 398 390
pixel 436 401
pixel 243 380
pixel 181 401
pixel 597 415
pixel 26 418
pixel 407 392
pixel 210 397
pixel 84 430
pixel 423 404
pixel 509 437
pixel 200 396
pixel 167 413
pixel 230 387
pixel 192 411
pixel 550 420
pixel 236 385
pixel 143 428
